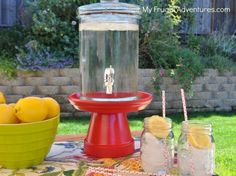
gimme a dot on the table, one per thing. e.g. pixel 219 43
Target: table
pixel 67 158
pixel 82 136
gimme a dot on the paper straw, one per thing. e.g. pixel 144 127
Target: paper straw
pixel 115 172
pixel 163 104
pixel 191 161
pixel 166 156
pixel 186 119
pixel 184 105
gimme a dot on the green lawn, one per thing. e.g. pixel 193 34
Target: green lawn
pixel 224 126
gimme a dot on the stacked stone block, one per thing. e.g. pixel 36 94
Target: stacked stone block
pixel 213 91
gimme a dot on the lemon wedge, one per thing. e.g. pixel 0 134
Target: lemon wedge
pixel 199 138
pixel 158 126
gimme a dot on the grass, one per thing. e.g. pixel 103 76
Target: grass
pixel 224 126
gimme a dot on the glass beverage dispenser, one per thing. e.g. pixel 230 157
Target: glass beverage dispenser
pixel 109 51
pixel 108 67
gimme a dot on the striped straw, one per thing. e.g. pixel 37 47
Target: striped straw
pixel 163 104
pixel 166 155
pixel 115 172
pixel 184 105
pixel 191 163
pixel 186 119
pixel 165 151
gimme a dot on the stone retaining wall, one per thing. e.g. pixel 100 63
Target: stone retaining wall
pixel 212 92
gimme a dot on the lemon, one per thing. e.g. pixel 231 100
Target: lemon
pixel 12 104
pixel 31 109
pixel 53 107
pixel 7 115
pixel 199 138
pixel 2 98
pixel 158 126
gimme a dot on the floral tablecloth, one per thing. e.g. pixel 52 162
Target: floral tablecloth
pixel 68 159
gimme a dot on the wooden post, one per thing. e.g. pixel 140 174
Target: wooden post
pixel 213 16
pixel 7 12
pixel 225 22
pixel 202 19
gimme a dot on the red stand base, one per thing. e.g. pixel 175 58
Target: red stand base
pixel 105 132
pixel 109 134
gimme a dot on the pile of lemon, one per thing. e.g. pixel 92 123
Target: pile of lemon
pixel 29 109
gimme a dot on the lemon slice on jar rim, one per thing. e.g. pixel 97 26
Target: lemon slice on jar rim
pixel 158 126
pixel 198 137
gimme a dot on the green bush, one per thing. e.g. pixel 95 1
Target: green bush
pixel 55 26
pixel 7 66
pixel 161 45
pixel 10 38
pixel 219 43
pixel 189 68
pixel 186 66
pixel 217 50
pixel 219 62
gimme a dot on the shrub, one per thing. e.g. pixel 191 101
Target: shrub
pixel 10 38
pixel 220 43
pixel 187 67
pixel 55 26
pixel 7 65
pixel 161 45
pixel 219 62
pixel 217 50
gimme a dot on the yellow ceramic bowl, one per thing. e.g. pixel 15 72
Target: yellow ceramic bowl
pixel 26 144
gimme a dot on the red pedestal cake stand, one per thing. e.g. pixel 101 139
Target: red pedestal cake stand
pixel 109 133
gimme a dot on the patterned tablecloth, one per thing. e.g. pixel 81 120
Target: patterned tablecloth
pixel 68 159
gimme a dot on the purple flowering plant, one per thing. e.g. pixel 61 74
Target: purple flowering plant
pixel 35 57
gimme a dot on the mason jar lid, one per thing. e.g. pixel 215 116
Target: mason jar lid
pixel 198 126
pixel 109 7
pixel 147 124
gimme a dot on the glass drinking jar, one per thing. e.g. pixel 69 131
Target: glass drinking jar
pixel 196 149
pixel 157 147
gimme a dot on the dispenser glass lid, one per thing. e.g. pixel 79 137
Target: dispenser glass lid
pixel 109 6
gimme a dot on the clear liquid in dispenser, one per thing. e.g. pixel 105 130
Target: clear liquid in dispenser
pixel 101 50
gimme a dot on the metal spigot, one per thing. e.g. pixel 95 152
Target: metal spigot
pixel 109 79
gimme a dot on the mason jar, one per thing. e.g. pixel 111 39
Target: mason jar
pixel 196 149
pixel 157 150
